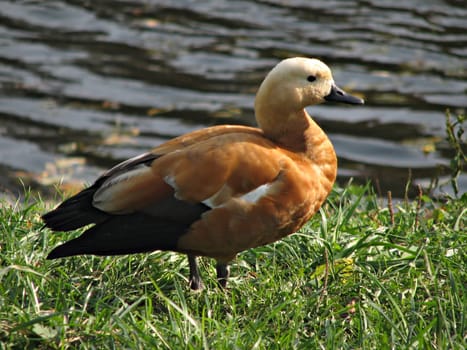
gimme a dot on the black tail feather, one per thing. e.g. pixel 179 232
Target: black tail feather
pixel 74 213
pixel 125 234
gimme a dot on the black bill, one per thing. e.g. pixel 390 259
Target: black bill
pixel 339 95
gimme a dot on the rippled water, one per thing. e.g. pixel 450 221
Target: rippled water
pixel 85 84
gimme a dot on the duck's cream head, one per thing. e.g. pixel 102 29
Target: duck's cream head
pixel 292 85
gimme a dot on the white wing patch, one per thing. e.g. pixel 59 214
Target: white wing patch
pixel 209 202
pixel 170 180
pixel 221 197
pixel 258 193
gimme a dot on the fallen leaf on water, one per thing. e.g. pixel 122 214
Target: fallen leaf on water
pixel 115 139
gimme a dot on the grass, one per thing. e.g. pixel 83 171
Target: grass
pixel 359 275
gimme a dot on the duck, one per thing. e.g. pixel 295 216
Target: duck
pixel 217 191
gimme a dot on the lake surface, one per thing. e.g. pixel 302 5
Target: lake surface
pixel 86 84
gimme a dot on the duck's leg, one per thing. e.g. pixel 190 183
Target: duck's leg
pixel 223 272
pixel 195 279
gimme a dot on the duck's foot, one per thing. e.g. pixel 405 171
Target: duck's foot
pixel 195 279
pixel 223 273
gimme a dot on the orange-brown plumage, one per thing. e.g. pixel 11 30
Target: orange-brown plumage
pixel 217 191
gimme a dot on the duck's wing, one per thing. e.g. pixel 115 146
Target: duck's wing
pixel 210 172
pixel 149 202
pixel 133 175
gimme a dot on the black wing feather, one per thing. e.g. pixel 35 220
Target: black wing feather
pixel 78 210
pixel 157 227
pixel 75 212
pixel 132 233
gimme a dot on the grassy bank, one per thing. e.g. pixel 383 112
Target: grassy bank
pixel 360 275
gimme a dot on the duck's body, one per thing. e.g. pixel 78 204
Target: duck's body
pixel 217 191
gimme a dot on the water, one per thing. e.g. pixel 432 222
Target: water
pixel 86 84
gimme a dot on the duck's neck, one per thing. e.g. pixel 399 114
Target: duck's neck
pixel 299 133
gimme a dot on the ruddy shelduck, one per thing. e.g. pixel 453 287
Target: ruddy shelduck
pixel 217 191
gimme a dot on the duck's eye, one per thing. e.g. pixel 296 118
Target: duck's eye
pixel 311 78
